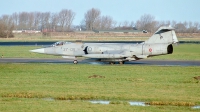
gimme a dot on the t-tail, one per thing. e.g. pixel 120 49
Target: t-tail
pixel 164 35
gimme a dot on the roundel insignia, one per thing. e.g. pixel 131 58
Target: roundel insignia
pixel 150 50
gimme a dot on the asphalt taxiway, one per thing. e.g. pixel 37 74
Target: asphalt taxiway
pixel 82 61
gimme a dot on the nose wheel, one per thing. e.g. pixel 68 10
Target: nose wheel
pixel 75 62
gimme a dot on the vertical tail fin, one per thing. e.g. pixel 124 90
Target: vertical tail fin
pixel 164 35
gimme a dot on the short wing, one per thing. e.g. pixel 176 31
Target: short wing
pixel 110 54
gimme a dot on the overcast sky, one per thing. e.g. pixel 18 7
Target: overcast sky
pixel 119 10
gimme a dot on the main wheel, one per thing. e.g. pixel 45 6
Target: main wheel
pixel 121 62
pixel 112 63
pixel 75 62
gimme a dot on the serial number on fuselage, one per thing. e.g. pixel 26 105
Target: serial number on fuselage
pixel 71 49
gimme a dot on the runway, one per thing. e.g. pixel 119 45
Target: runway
pixel 81 61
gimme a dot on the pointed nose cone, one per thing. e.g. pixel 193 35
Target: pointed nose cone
pixel 38 50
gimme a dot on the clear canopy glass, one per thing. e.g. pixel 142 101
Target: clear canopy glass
pixel 60 43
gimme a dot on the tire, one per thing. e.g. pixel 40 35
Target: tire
pixel 121 62
pixel 75 62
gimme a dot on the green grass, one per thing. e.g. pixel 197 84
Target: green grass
pixel 181 52
pixel 23 87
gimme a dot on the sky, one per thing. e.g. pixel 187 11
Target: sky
pixel 119 10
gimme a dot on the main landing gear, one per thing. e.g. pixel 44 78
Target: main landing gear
pixel 112 63
pixel 75 62
pixel 121 63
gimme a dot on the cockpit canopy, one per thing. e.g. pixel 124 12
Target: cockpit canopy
pixel 60 43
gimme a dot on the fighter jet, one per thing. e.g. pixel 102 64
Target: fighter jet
pixel 160 43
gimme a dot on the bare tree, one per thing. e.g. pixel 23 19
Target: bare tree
pixel 173 23
pixel 83 25
pixel 70 19
pixel 66 18
pixel 163 23
pixel 125 24
pixel 62 18
pixel 180 27
pixel 167 23
pixel 23 20
pixel 44 20
pixel 15 17
pixel 147 22
pixel 30 20
pixel 193 27
pixel 196 26
pixel 186 24
pixel 106 22
pixel 97 24
pixel 7 25
pixel 54 21
pixel 2 29
pixel 93 20
pixel 128 25
pixel 132 24
pixel 92 16
pixel 36 21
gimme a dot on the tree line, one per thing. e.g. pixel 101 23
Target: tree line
pixel 92 20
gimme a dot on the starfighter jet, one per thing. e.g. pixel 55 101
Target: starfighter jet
pixel 160 43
